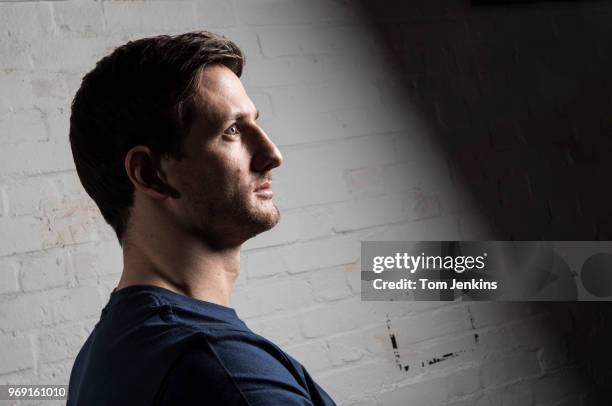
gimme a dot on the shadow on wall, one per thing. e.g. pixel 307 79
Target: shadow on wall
pixel 519 98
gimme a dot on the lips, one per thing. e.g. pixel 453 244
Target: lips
pixel 264 190
pixel 265 186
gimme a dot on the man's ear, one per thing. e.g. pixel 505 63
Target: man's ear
pixel 143 167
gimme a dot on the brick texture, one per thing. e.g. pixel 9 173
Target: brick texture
pixel 398 120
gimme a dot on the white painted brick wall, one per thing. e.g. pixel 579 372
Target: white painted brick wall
pixel 359 165
pixel 16 353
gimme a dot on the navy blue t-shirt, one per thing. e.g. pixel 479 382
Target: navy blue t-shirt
pixel 152 346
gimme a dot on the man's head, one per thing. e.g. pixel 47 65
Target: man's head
pixel 168 118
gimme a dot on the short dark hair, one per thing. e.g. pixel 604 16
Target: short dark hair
pixel 143 93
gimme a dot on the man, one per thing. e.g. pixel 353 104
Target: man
pixel 166 142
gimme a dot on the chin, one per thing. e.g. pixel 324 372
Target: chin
pixel 265 219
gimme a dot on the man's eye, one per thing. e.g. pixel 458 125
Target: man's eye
pixel 232 130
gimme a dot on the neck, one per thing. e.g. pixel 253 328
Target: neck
pixel 172 259
pixel 210 279
pixel 205 276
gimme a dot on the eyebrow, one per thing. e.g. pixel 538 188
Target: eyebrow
pixel 242 115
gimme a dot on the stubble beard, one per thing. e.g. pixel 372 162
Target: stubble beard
pixel 256 218
pixel 234 219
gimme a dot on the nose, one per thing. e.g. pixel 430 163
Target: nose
pixel 266 155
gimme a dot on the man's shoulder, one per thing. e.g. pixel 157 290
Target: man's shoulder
pixel 198 373
pixel 235 367
pixel 235 350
